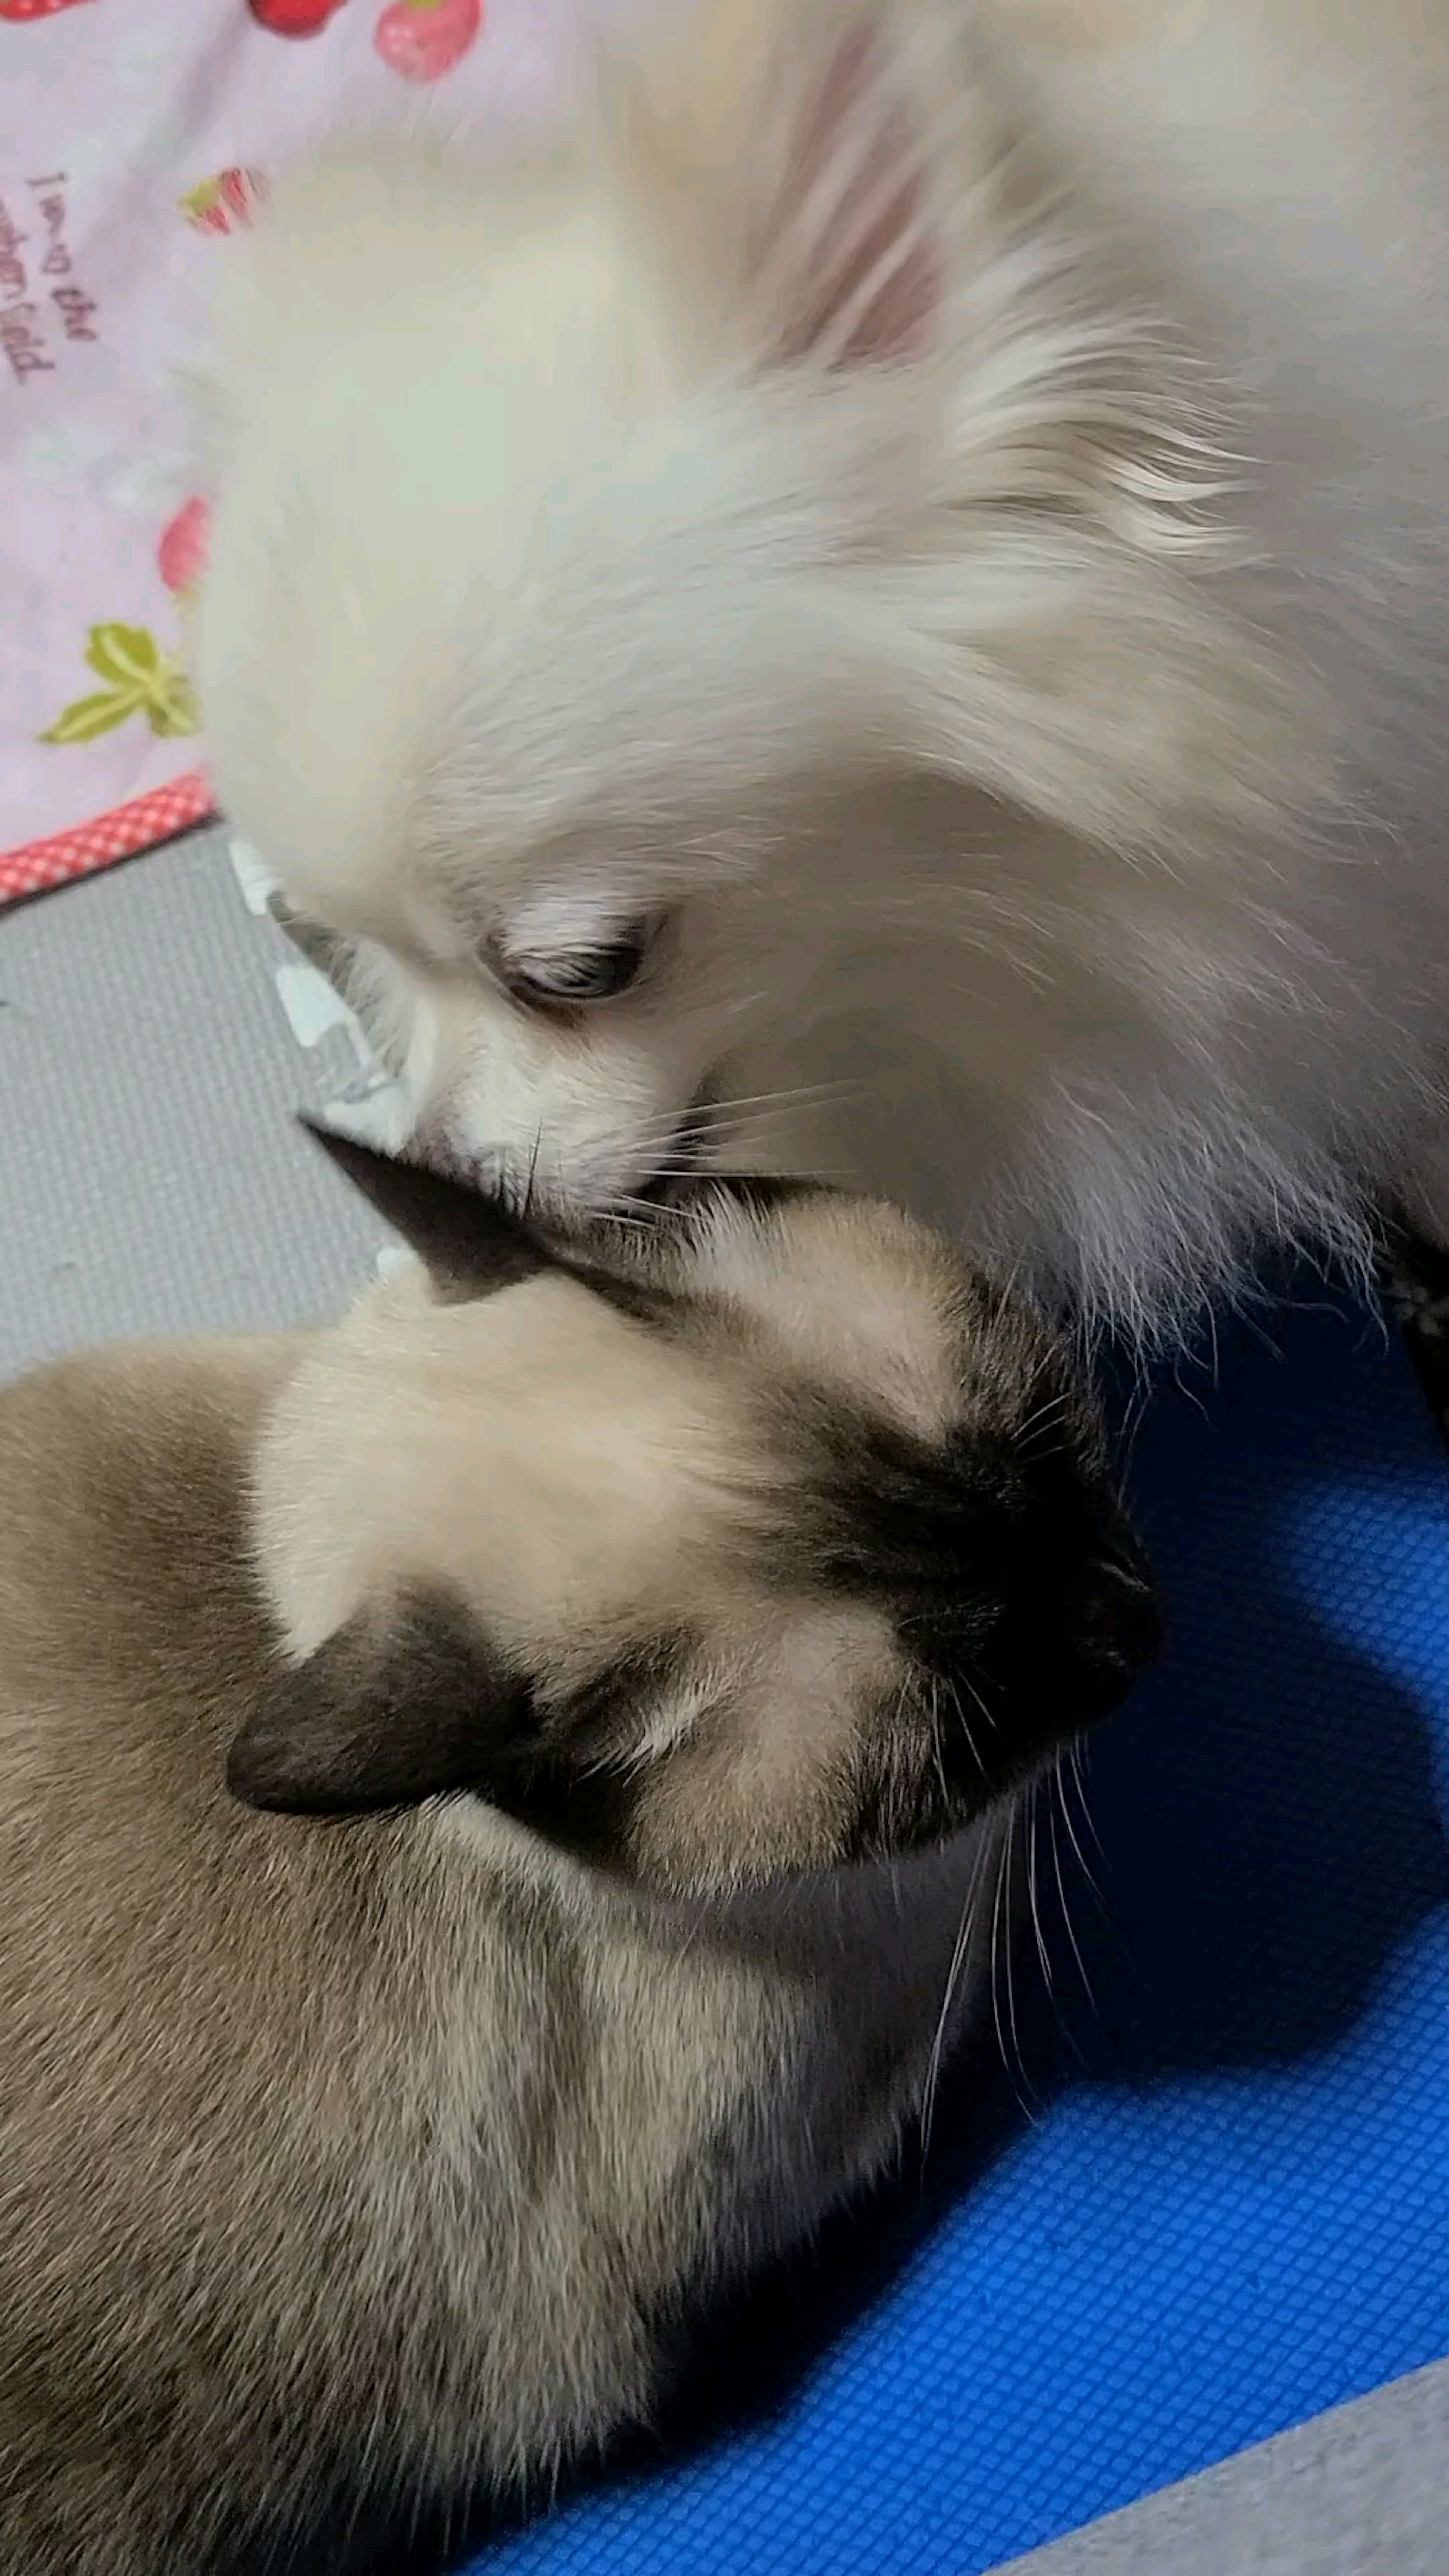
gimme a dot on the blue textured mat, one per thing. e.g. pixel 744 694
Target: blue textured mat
pixel 1232 2206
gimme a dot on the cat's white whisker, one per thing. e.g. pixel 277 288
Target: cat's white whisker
pixel 1065 1903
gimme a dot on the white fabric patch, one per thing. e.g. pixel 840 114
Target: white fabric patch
pixel 252 874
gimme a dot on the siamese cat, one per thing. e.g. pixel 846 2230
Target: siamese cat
pixel 502 1803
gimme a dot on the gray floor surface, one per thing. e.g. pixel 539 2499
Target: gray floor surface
pixel 152 1177
pixel 153 1180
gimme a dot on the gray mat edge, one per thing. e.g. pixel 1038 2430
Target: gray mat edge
pixel 1362 2490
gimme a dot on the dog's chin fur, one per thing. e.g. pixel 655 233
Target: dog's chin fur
pixel 938 515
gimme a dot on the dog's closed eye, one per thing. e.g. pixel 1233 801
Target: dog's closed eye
pixel 569 979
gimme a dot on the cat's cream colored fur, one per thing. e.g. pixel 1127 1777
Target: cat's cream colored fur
pixel 934 508
pixel 348 2167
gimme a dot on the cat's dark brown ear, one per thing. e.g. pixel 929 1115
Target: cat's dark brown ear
pixel 470 1240
pixel 398 1705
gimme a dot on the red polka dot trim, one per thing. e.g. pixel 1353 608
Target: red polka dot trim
pixel 39 865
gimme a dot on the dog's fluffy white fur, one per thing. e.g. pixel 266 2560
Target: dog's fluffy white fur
pixel 937 515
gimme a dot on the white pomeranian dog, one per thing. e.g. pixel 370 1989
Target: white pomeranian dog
pixel 880 609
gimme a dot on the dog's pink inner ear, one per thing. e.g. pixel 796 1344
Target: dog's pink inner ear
pixel 848 257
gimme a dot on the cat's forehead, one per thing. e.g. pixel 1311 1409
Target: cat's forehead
pixel 849 1295
pixel 754 1287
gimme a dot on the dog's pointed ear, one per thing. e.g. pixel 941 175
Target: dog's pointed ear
pixel 470 1242
pixel 791 153
pixel 398 1705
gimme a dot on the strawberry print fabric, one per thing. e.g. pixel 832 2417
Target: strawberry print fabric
pixel 135 135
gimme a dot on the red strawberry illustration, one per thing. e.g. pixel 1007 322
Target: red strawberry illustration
pixel 15 12
pixel 422 39
pixel 181 553
pixel 293 17
pixel 219 205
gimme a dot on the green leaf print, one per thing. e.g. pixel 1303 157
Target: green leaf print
pixel 144 681
pixel 171 704
pixel 125 655
pixel 88 717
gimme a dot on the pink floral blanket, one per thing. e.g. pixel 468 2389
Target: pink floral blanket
pixel 134 134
